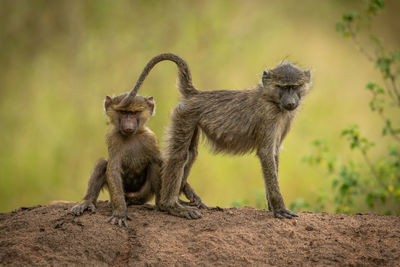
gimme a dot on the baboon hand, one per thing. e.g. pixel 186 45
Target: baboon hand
pixel 284 213
pixel 120 220
pixel 81 207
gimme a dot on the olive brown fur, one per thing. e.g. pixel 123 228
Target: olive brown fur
pixel 233 121
pixel 132 172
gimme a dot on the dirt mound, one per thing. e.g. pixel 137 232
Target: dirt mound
pixel 50 235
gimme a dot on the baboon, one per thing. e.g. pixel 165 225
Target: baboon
pixel 132 171
pixel 233 121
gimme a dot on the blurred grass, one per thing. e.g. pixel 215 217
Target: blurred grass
pixel 59 59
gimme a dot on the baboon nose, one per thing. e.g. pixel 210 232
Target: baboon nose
pixel 291 106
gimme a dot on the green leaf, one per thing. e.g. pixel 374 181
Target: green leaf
pixel 374 6
pixel 370 86
pixel 349 17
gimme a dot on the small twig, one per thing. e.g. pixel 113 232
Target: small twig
pixel 390 91
pixel 394 87
pixel 357 43
pixel 391 130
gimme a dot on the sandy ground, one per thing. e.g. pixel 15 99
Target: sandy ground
pixel 50 235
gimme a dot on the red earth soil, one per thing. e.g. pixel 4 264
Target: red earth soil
pixel 50 235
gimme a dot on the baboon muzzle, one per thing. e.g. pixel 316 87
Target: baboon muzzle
pixel 290 100
pixel 128 126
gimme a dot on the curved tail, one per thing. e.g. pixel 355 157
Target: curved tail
pixel 185 84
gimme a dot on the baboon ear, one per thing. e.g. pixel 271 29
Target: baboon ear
pixel 107 102
pixel 150 102
pixel 308 75
pixel 266 76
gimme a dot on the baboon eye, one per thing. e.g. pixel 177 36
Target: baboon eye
pixel 125 112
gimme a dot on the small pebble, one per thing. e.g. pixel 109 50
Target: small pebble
pixel 309 228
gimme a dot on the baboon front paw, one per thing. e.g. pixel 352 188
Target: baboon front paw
pixel 81 207
pixel 120 220
pixel 284 213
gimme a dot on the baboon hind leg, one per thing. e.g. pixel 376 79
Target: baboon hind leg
pixel 186 189
pixel 194 199
pixel 181 134
pixel 96 182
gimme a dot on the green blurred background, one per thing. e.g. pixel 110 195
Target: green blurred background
pixel 59 59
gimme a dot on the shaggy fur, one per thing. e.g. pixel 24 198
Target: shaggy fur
pixel 233 121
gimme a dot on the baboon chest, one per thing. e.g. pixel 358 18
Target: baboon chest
pixel 283 126
pixel 134 170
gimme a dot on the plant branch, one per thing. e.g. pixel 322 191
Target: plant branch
pixel 394 87
pixel 390 128
pixel 358 45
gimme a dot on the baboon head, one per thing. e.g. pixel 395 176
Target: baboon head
pixel 286 85
pixel 131 118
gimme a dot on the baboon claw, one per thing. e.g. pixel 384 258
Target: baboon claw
pixel 120 220
pixel 196 204
pixel 193 214
pixel 78 209
pixel 200 205
pixel 284 213
pixel 92 208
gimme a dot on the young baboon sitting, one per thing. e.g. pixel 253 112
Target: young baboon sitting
pixel 234 121
pixel 132 171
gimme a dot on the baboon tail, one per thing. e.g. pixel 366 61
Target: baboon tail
pixel 185 84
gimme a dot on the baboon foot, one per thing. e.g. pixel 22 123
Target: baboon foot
pixel 120 220
pixel 195 203
pixel 81 207
pixel 178 210
pixel 284 213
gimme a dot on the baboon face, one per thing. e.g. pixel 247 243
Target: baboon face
pixel 128 121
pixel 285 85
pixel 289 96
pixel 132 117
